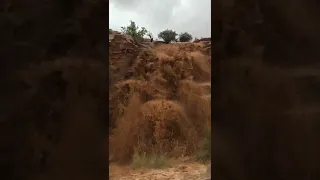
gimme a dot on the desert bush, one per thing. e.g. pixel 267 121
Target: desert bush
pixel 150 161
pixel 134 32
pixel 185 37
pixel 168 35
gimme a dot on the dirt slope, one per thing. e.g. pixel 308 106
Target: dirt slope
pixel 159 102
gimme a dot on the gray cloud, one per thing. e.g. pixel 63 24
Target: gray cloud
pixel 157 15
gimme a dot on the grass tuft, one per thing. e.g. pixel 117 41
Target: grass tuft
pixel 204 155
pixel 150 161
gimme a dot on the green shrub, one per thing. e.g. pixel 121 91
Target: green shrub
pixel 150 161
pixel 185 37
pixel 134 31
pixel 204 155
pixel 168 35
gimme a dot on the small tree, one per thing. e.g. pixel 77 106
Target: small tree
pixel 185 37
pixel 133 31
pixel 168 35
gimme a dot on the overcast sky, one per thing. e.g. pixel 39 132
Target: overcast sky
pixel 193 16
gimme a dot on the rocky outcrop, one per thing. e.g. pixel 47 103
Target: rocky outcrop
pixel 123 51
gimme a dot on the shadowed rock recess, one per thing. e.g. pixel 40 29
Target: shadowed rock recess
pixel 53 60
pixel 266 82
